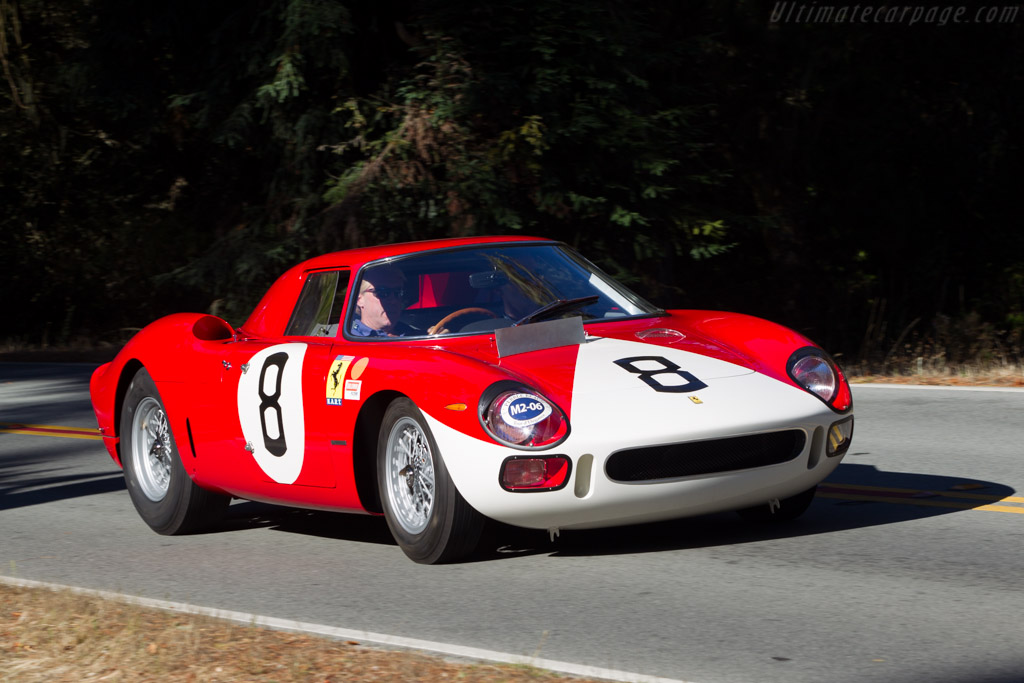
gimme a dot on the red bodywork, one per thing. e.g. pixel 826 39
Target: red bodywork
pixel 196 361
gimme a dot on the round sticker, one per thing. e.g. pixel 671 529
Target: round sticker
pixel 358 367
pixel 523 410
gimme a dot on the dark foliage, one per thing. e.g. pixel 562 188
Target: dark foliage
pixel 856 181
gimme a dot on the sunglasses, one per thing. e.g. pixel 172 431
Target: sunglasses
pixel 383 294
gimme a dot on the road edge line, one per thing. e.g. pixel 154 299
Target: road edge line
pixel 934 387
pixel 337 633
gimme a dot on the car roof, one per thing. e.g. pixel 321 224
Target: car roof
pixel 355 257
pixel 271 314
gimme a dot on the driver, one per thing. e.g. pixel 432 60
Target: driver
pixel 516 304
pixel 380 303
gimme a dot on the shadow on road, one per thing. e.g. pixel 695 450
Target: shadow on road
pixel 52 489
pixel 853 497
pixel 332 525
pixel 54 472
pixel 849 499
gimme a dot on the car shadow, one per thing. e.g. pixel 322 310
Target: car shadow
pixel 853 497
pixel 331 525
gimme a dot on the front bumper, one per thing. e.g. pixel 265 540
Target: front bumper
pixel 595 498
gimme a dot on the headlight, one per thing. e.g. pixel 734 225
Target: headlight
pixel 523 419
pixel 815 375
pixel 812 369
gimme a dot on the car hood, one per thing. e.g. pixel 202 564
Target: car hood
pixel 611 388
pixel 603 366
pixel 655 394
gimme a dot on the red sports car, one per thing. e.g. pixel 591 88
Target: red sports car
pixel 440 383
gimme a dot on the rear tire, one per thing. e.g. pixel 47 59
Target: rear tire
pixel 787 510
pixel 428 518
pixel 162 492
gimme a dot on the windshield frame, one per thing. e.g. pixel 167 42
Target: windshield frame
pixel 607 285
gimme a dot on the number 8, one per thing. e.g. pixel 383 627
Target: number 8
pixel 276 445
pixel 667 366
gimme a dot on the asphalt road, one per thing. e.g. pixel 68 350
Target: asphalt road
pixel 907 567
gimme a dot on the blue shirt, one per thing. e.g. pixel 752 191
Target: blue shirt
pixel 361 329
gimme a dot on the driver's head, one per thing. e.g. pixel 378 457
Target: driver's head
pixel 517 304
pixel 381 297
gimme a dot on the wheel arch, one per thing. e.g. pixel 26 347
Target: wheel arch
pixel 161 343
pixel 124 380
pixel 364 447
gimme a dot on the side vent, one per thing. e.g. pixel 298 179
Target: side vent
pixel 191 443
pixel 212 328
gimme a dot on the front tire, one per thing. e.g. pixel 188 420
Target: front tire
pixel 162 492
pixel 786 510
pixel 429 519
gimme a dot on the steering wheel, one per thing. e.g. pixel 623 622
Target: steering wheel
pixel 436 329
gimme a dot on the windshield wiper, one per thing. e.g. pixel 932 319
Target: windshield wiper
pixel 555 307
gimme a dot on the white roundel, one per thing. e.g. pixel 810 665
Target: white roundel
pixel 523 410
pixel 270 410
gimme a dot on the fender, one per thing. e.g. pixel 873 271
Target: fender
pixel 769 343
pixel 158 348
pixel 444 384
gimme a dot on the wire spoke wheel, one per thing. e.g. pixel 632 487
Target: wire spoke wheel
pixel 161 490
pixel 428 517
pixel 151 449
pixel 410 475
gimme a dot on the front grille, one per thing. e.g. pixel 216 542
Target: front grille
pixel 705 457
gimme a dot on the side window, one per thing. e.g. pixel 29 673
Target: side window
pixel 319 307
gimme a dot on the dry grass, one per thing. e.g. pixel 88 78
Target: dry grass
pixel 963 376
pixel 59 636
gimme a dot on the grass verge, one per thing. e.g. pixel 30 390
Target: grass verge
pixel 61 636
pixel 964 376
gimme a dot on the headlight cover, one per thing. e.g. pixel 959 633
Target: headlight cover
pixel 839 436
pixel 522 418
pixel 815 371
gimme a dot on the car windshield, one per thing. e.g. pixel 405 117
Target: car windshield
pixel 480 289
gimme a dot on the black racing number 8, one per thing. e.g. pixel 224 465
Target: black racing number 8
pixel 275 445
pixel 667 367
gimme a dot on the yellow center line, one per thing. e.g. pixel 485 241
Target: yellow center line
pixel 925 502
pixel 49 430
pixel 945 494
